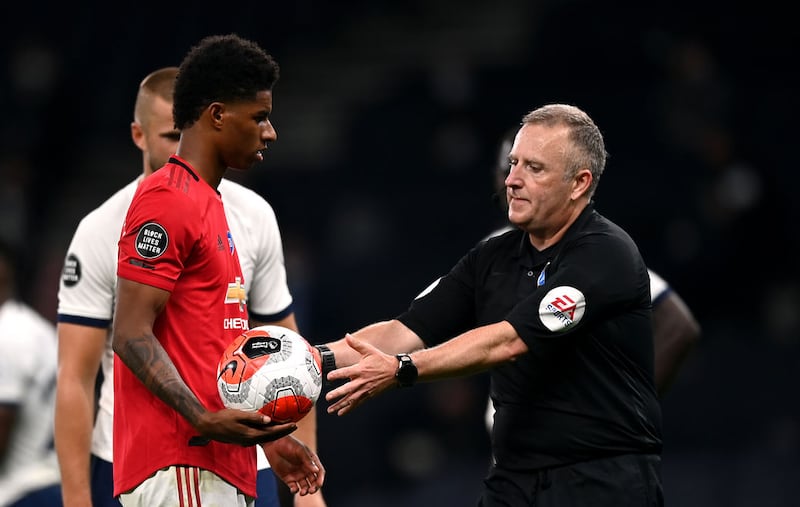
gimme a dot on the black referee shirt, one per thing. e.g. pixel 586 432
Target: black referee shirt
pixel 585 389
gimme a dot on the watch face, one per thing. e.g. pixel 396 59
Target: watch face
pixel 406 371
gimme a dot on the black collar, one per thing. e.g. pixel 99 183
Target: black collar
pixel 530 257
pixel 177 161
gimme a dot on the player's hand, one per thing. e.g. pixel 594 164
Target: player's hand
pixel 310 500
pixel 240 427
pixel 296 465
pixel 370 376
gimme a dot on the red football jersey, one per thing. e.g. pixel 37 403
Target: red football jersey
pixel 176 238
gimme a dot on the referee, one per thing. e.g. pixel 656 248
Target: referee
pixel 559 311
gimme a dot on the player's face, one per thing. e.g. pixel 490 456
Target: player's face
pixel 161 136
pixel 538 196
pixel 248 131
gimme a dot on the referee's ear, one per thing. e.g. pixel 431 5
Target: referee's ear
pixel 581 185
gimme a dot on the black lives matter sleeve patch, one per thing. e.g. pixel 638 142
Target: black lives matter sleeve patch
pixel 71 274
pixel 152 241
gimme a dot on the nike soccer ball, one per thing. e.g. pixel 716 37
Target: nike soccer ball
pixel 272 370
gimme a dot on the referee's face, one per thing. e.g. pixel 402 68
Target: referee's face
pixel 539 197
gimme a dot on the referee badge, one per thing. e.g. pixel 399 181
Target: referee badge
pixel 542 276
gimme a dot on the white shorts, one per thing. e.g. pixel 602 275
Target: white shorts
pixel 179 486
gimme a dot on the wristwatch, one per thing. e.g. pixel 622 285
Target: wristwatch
pixel 328 361
pixel 406 373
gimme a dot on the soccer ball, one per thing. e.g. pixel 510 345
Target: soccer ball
pixel 272 370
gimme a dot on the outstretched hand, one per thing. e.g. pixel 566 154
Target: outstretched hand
pixel 240 427
pixel 296 465
pixel 370 376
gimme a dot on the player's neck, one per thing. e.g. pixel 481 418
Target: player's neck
pixel 204 163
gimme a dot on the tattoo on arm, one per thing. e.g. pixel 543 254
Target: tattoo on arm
pixel 148 360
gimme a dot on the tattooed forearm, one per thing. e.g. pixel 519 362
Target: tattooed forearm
pixel 148 360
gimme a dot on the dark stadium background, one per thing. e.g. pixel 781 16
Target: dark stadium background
pixel 388 116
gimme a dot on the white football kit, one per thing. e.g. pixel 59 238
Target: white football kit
pixel 88 282
pixel 28 362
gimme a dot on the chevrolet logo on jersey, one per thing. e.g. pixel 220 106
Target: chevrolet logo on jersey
pixel 236 293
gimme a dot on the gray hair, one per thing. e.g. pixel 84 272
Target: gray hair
pixel 588 149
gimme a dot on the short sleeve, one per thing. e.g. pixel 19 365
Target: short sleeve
pixel 88 277
pixel 157 238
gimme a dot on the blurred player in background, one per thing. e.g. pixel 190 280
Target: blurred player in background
pixel 28 467
pixel 675 329
pixel 86 304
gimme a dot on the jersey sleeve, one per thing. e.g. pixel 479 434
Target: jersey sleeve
pixel 450 295
pixel 14 373
pixel 88 277
pixel 595 277
pixel 157 238
pixel 17 355
pixel 268 297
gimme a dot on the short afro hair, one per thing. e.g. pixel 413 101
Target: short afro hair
pixel 220 68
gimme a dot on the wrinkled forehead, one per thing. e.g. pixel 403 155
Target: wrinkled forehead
pixel 541 142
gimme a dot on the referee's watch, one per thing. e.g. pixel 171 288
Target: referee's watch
pixel 406 373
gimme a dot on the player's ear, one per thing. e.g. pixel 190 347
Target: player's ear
pixel 137 134
pixel 215 110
